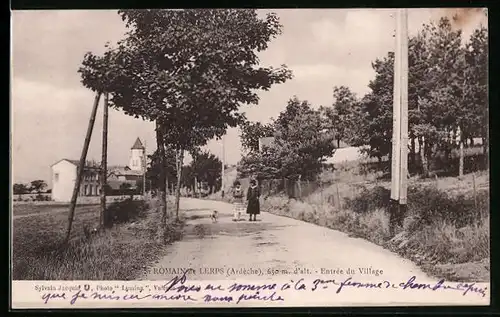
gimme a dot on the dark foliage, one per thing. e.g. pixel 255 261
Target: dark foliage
pixel 124 211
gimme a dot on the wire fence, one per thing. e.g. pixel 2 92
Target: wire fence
pixel 333 193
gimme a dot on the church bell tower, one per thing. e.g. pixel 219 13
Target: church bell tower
pixel 137 156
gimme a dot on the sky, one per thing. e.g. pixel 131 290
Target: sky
pixel 51 109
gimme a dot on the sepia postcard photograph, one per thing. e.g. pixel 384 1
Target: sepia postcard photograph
pixel 168 158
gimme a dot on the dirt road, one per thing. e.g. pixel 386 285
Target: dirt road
pixel 275 245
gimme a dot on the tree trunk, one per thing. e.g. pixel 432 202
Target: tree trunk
pixel 423 157
pixel 180 159
pixel 429 147
pixel 461 159
pixel 485 151
pixel 162 191
pixel 412 153
pixel 390 163
pixel 447 151
pixel 471 142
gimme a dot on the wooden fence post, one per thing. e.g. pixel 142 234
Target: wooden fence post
pixel 321 191
pixel 339 203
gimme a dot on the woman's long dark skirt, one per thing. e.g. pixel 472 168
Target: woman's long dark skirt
pixel 253 207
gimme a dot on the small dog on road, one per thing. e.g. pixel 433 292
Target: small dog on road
pixel 214 216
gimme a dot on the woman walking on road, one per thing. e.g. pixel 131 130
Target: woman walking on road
pixel 253 194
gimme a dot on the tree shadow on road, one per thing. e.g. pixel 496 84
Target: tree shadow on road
pixel 235 229
pixel 197 209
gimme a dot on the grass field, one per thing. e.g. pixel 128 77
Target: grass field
pixel 118 253
pixel 44 207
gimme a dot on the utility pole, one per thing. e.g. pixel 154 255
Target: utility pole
pixel 81 166
pixel 404 111
pixel 223 163
pixel 144 168
pixel 399 168
pixel 104 160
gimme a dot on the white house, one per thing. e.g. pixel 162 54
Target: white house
pixel 64 173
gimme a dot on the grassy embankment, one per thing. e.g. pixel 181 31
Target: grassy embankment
pixel 119 252
pixel 445 231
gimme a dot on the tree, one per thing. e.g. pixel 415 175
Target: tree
pixel 126 189
pixel 251 132
pixel 301 145
pixel 20 189
pixel 476 98
pixel 377 107
pixel 207 168
pixel 187 177
pixel 188 70
pixel 38 186
pixel 342 117
pixel 440 94
pixel 154 169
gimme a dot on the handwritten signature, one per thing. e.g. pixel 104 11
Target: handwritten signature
pixel 179 289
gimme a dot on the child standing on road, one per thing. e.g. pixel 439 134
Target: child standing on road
pixel 238 200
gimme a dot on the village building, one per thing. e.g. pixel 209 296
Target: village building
pixel 131 174
pixel 64 173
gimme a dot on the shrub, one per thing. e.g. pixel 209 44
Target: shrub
pixel 431 204
pixel 40 197
pixel 369 199
pixel 124 211
pixel 427 203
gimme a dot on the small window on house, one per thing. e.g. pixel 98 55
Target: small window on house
pixel 56 177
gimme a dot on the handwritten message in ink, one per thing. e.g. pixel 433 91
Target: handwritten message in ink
pixel 180 288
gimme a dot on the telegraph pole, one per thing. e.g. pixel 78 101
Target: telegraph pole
pixel 81 166
pixel 399 168
pixel 104 160
pixel 223 163
pixel 404 110
pixel 144 164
